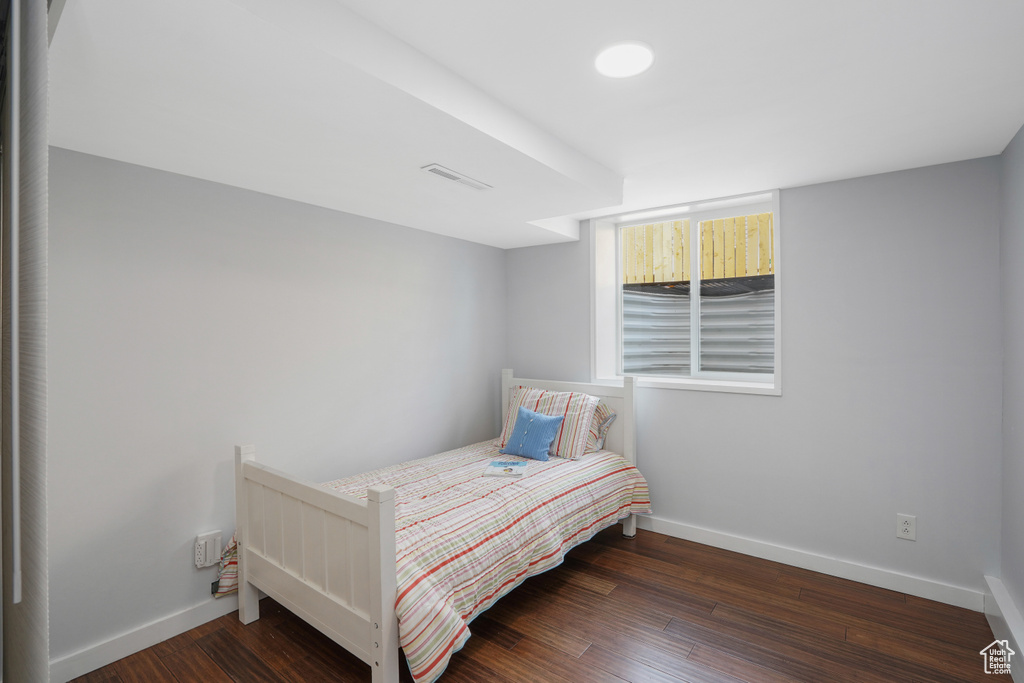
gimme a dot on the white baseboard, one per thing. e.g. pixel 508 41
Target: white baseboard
pixel 1007 623
pixel 109 651
pixel 874 576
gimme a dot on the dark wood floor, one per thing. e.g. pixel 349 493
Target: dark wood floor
pixel 650 609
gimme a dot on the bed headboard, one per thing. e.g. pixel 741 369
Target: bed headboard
pixel 621 436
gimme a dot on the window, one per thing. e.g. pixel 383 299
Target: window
pixel 688 296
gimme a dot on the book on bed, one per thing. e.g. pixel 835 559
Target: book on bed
pixel 511 468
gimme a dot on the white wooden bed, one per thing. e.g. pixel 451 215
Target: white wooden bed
pixel 330 558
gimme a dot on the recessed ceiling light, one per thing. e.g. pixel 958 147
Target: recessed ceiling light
pixel 624 59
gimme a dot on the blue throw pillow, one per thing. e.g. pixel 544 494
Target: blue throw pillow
pixel 532 434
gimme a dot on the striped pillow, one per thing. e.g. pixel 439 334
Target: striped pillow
pixel 577 409
pixel 599 426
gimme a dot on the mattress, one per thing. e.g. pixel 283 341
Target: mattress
pixel 463 540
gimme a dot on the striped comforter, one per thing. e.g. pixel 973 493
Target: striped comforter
pixel 464 540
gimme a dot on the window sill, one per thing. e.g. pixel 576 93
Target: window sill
pixel 696 384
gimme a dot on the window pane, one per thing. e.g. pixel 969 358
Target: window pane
pixel 737 294
pixel 656 330
pixel 737 325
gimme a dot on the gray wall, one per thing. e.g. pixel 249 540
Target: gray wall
pixel 549 310
pixel 1012 254
pixel 891 397
pixel 186 317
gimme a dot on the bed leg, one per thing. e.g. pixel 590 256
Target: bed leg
pixel 387 672
pixel 248 603
pixel 383 584
pixel 248 595
pixel 629 527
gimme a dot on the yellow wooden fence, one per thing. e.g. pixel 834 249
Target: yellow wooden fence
pixel 741 246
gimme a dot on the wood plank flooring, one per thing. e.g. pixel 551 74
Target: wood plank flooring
pixel 654 608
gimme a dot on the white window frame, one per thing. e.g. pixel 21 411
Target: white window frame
pixel 606 296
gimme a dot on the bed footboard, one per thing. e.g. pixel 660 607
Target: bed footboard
pixel 327 557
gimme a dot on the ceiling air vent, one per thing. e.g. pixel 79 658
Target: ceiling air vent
pixel 449 174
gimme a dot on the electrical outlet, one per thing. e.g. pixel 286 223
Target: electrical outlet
pixel 207 550
pixel 906 527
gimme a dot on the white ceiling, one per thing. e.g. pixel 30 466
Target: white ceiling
pixel 339 103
